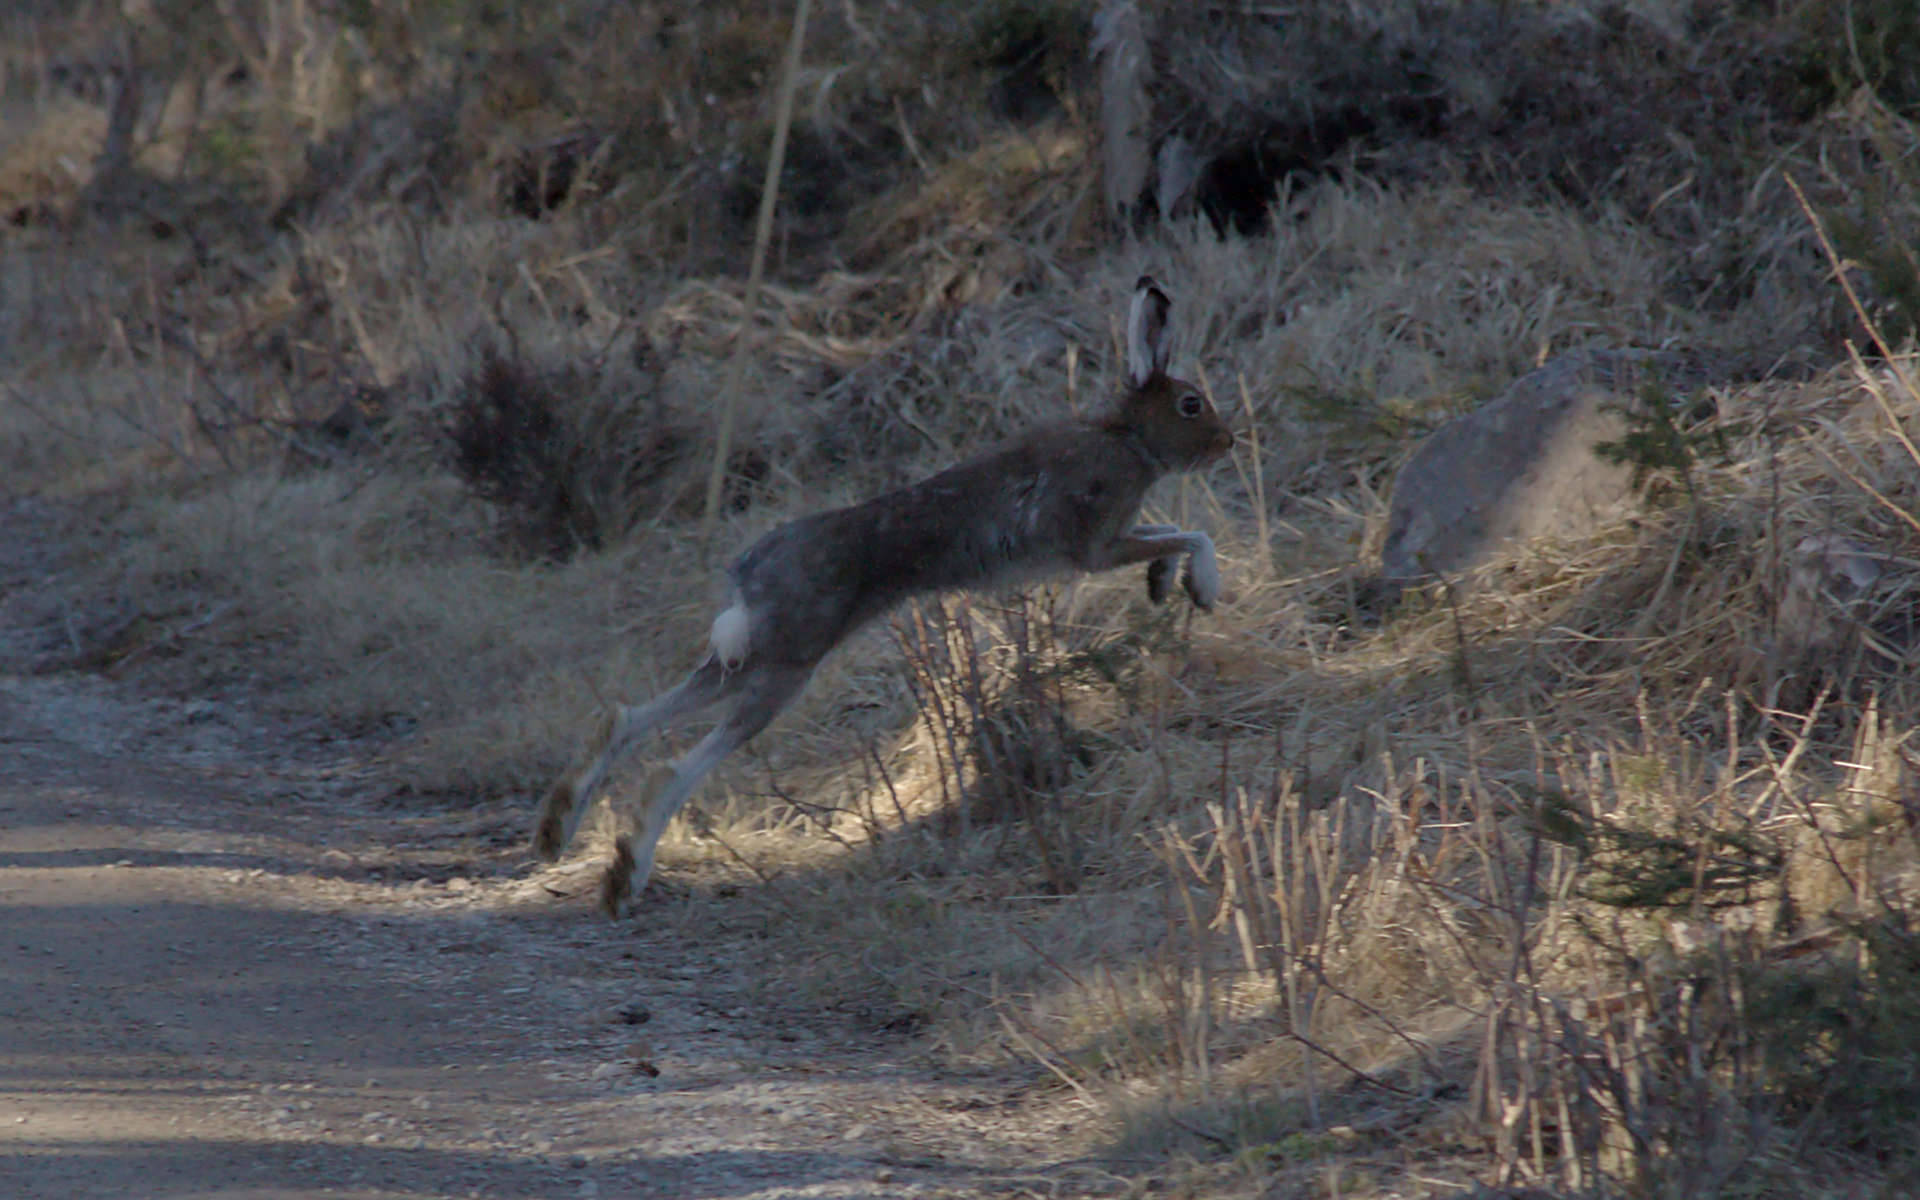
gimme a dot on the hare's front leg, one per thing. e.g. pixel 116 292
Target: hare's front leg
pixel 1160 570
pixel 1202 576
pixel 1162 546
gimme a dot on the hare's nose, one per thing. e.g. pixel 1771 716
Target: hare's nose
pixel 1225 440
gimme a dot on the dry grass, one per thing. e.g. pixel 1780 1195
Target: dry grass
pixel 1514 889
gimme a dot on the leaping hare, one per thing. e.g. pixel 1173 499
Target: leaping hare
pixel 1061 499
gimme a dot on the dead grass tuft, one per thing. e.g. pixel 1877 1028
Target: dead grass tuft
pixel 571 467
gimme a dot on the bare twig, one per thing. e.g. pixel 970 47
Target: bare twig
pixel 762 234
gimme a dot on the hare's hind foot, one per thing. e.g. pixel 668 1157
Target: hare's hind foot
pixel 640 818
pixel 549 836
pixel 567 800
pixel 616 882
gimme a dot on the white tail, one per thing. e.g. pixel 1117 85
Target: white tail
pixel 1061 499
pixel 731 636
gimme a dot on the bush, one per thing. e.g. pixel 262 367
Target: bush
pixel 569 467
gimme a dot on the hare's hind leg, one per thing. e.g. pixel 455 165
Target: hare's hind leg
pixel 617 733
pixel 763 690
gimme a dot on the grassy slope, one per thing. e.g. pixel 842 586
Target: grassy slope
pixel 1309 902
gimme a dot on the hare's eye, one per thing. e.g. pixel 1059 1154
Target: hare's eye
pixel 1192 405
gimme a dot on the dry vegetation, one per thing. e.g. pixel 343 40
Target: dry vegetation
pixel 385 368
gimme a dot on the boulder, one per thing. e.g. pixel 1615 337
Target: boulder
pixel 1828 579
pixel 1520 467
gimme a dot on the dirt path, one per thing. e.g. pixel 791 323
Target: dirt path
pixel 227 969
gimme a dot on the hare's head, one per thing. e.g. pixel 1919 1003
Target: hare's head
pixel 1173 419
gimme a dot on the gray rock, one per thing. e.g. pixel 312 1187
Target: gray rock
pixel 1827 578
pixel 1522 466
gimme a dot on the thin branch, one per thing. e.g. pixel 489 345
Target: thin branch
pixel 1859 309
pixel 762 234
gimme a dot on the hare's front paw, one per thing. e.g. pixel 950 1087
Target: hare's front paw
pixel 1159 574
pixel 1202 576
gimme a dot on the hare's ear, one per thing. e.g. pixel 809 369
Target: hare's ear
pixel 1149 342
